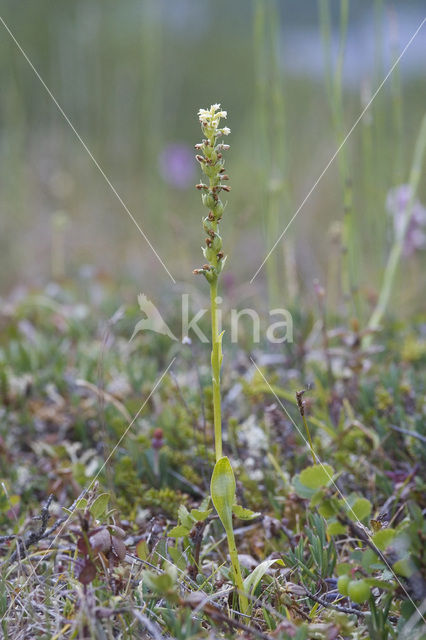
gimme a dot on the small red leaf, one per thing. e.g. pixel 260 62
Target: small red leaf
pixel 85 570
pixel 82 546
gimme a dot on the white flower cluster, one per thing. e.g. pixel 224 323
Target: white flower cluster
pixel 210 120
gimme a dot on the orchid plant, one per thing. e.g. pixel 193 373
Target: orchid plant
pixel 212 162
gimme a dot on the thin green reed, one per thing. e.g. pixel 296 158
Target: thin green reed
pixel 151 98
pixel 397 112
pixel 382 143
pixel 270 127
pixel 377 224
pixel 212 162
pixel 334 76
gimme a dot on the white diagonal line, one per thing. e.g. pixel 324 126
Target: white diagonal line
pixel 361 526
pixel 336 153
pixel 86 148
pixel 129 426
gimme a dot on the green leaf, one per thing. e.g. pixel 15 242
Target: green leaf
pixel 179 559
pixel 369 559
pixel 244 514
pixel 343 568
pixel 253 579
pixel 301 490
pixel 336 528
pixel 205 504
pixel 99 506
pixel 404 567
pixel 142 550
pixel 81 504
pixel 381 584
pixel 219 339
pixel 316 476
pixel 200 515
pixel 383 538
pixel 222 489
pixel 184 517
pixel 178 532
pixel 162 584
pixel 328 508
pixel 361 508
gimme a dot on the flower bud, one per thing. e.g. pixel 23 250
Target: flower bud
pixel 208 200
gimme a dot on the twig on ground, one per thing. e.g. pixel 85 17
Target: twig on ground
pixel 32 536
pixel 407 432
pixel 332 605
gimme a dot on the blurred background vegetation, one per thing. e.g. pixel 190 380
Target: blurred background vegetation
pixel 131 75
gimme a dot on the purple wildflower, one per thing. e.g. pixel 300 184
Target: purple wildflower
pixel 415 235
pixel 177 165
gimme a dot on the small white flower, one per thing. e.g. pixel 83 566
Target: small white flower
pixel 226 131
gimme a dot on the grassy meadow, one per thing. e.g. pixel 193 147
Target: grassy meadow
pixel 274 488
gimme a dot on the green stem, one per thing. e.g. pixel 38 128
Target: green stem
pixel 216 350
pixel 308 433
pixel 238 578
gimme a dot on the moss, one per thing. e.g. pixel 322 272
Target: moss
pixel 165 500
pixel 413 349
pixel 383 399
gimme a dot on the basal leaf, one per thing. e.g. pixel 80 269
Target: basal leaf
pixel 222 488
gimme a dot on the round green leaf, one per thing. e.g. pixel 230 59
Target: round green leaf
pixel 316 476
pixel 361 508
pixel 383 538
